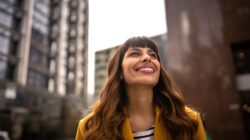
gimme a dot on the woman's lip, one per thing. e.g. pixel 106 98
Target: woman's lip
pixel 147 70
pixel 145 67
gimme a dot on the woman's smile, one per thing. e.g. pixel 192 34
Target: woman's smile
pixel 146 69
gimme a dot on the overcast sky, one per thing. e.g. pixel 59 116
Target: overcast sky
pixel 111 22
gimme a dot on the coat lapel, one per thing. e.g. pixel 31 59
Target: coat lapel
pixel 126 130
pixel 159 133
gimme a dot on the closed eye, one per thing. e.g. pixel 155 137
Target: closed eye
pixel 153 55
pixel 134 53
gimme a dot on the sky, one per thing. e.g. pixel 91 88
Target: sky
pixel 111 22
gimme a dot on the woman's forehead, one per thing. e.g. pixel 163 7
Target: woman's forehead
pixel 141 48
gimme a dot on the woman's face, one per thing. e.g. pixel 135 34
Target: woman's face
pixel 140 66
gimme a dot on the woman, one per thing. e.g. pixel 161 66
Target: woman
pixel 139 101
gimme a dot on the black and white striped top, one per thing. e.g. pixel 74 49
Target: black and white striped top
pixel 144 135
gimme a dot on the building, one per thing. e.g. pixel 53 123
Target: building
pixel 102 57
pixel 43 65
pixel 101 60
pixel 161 41
pixel 69 35
pixel 208 55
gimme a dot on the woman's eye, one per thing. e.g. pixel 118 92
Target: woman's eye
pixel 153 55
pixel 134 54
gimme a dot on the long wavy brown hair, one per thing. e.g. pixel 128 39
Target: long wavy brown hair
pixel 109 111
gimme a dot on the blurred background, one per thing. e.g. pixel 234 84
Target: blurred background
pixel 53 55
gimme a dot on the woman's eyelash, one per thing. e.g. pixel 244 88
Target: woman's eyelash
pixel 134 53
pixel 153 55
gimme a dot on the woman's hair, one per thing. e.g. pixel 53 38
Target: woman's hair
pixel 109 111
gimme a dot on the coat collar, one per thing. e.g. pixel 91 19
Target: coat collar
pixel 159 133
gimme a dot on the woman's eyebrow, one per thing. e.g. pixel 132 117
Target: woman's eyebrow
pixel 138 49
pixel 134 49
pixel 151 51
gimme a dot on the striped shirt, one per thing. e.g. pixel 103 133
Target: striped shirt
pixel 144 135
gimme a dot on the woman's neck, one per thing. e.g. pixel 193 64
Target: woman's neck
pixel 140 101
pixel 140 108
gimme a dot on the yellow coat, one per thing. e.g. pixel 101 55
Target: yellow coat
pixel 159 133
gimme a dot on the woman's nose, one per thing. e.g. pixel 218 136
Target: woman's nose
pixel 146 58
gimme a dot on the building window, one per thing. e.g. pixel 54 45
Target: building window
pixel 37 79
pixel 70 88
pixel 56 13
pixel 71 76
pixel 39 58
pixel 31 77
pixel 43 7
pixel 16 23
pixel 73 3
pixel 10 73
pixel 73 17
pixel 72 33
pixel 5 19
pixel 35 56
pixel 71 48
pixel 39 36
pixel 53 48
pixel 3 67
pixel 13 47
pixel 4 44
pixel 19 3
pixel 71 59
pixel 52 66
pixel 55 31
pixel 51 85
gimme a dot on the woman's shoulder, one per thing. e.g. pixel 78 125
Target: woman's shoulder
pixel 85 119
pixel 192 113
pixel 81 129
pixel 200 134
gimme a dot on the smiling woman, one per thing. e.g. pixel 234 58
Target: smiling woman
pixel 141 67
pixel 139 101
